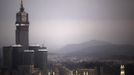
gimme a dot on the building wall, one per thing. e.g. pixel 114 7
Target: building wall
pixel 7 57
pixel 16 57
pixel 22 36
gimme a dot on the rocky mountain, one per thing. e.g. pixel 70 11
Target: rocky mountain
pixel 99 49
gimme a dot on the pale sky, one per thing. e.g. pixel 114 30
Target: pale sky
pixel 57 23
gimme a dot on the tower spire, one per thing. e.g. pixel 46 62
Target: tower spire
pixel 21 6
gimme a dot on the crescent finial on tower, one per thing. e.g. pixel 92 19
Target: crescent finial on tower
pixel 21 6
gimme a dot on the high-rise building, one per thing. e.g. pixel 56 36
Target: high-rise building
pixel 21 58
pixel 22 27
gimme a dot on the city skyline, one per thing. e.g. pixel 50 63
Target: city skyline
pixel 67 37
pixel 59 23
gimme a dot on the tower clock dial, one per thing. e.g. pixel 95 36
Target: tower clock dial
pixel 23 17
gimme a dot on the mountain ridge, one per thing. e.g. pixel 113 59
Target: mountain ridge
pixel 99 49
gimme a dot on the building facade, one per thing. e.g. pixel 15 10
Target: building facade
pixel 21 58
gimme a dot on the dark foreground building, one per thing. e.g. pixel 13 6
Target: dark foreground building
pixel 21 58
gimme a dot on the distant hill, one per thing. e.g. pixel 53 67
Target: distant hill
pixel 76 47
pixel 99 49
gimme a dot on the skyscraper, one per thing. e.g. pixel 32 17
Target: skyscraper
pixel 21 58
pixel 22 27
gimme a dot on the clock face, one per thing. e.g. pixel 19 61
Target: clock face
pixel 24 17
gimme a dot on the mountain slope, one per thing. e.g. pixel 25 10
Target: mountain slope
pixel 99 49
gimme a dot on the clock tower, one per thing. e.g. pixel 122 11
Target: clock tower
pixel 22 27
pixel 22 58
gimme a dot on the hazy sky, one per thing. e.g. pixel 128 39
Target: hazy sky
pixel 60 22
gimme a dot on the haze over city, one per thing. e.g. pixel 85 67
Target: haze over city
pixel 62 22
